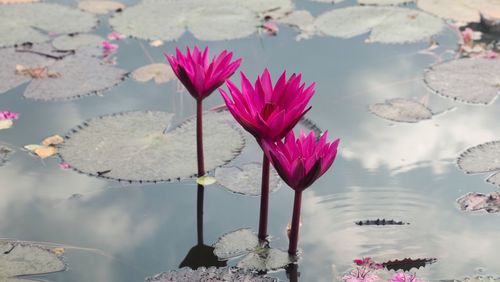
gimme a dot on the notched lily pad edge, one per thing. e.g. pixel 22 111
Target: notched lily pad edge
pixel 468 151
pixel 456 99
pixel 102 175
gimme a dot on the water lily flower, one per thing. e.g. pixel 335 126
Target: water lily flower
pixel 4 115
pixel 405 277
pixel 265 111
pixel 115 35
pixel 360 274
pixel 107 46
pixel 268 113
pixel 300 162
pixel 369 263
pixel 201 77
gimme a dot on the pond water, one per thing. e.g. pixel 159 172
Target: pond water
pixel 114 231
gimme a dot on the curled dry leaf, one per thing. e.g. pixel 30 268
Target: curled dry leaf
pixel 477 201
pixel 161 73
pixel 53 140
pixel 100 7
pixel 41 150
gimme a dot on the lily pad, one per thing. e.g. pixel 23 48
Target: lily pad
pixel 77 41
pixel 10 59
pixel 385 24
pixel 481 158
pixel 212 274
pixel 206 20
pixel 236 243
pixel 100 7
pixel 468 80
pixel 461 10
pixel 246 179
pixel 407 264
pixel 31 22
pixel 5 153
pixel 477 201
pixel 259 257
pixel 18 259
pixel 79 75
pixel 401 110
pixel 478 278
pixel 383 2
pixel 303 21
pixel 160 73
pixel 133 147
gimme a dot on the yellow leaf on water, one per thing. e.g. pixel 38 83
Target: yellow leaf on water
pixel 206 180
pixel 156 43
pixel 32 147
pixel 5 123
pixel 52 140
pixel 41 151
pixel 58 251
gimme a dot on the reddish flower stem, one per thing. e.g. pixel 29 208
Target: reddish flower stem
pixel 294 232
pixel 199 137
pixel 199 213
pixel 264 199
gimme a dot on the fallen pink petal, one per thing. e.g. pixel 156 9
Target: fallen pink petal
pixel 116 36
pixel 107 46
pixel 8 115
pixel 64 165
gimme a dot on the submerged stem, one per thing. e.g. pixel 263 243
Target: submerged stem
pixel 264 199
pixel 294 232
pixel 199 137
pixel 199 213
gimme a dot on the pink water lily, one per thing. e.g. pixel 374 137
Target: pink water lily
pixel 199 75
pixel 301 161
pixel 360 274
pixel 405 277
pixel 107 46
pixel 265 111
pixel 8 115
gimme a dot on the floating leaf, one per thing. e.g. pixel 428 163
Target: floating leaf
pixel 206 180
pixel 387 24
pixel 10 60
pixel 401 110
pixel 478 278
pixel 53 140
pixel 132 146
pixel 246 179
pixel 408 263
pixel 460 10
pixel 210 274
pixel 267 259
pixel 476 201
pixel 80 75
pixel 301 20
pixel 18 259
pixel 6 123
pixel 482 158
pixel 161 73
pixel 236 243
pixel 469 80
pixel 206 20
pixel 5 153
pixel 58 251
pixel 380 222
pixel 100 7
pixel 41 150
pixel 28 22
pixel 77 41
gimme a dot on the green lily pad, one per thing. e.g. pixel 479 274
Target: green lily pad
pixel 77 41
pixel 481 159
pixel 212 274
pixel 22 23
pixel 246 179
pixel 401 110
pixel 133 147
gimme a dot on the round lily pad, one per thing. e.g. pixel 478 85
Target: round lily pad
pixel 401 110
pixel 267 259
pixel 206 20
pixel 385 24
pixel 133 147
pixel 10 59
pixel 19 259
pixel 383 2
pixel 160 73
pixel 236 243
pixel 477 201
pixel 468 80
pixel 31 22
pixel 77 41
pixel 246 179
pixel 481 158
pixel 460 10
pixel 73 77
pixel 223 274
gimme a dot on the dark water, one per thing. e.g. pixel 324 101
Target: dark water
pixel 395 171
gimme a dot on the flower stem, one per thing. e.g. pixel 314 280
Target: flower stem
pixel 264 199
pixel 199 213
pixel 294 232
pixel 199 137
